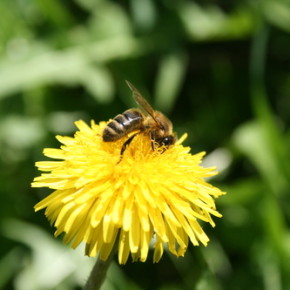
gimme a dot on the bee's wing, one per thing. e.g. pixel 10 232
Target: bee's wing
pixel 141 101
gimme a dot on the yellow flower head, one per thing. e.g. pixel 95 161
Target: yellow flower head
pixel 147 196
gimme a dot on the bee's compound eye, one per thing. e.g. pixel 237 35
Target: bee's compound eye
pixel 168 140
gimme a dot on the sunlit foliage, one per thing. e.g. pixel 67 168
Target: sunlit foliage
pixel 218 69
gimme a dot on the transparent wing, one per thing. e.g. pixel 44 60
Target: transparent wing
pixel 141 101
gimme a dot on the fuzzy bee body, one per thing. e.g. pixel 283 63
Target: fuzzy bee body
pixel 153 124
pixel 123 124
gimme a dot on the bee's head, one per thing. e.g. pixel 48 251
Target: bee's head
pixel 163 134
pixel 166 140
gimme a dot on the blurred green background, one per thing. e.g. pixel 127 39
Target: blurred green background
pixel 219 69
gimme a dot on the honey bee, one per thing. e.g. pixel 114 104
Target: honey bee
pixel 150 122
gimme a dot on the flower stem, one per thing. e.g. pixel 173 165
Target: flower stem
pixel 98 273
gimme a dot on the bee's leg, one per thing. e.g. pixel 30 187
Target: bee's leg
pixel 152 138
pixel 126 144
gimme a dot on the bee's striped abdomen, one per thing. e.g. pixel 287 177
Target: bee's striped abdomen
pixel 123 124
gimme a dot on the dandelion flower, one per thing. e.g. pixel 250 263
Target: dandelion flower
pixel 147 197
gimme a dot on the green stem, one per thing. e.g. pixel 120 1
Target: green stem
pixel 98 273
